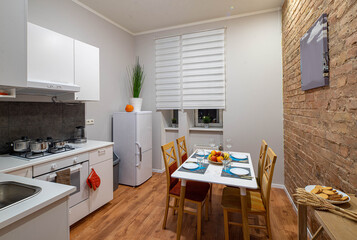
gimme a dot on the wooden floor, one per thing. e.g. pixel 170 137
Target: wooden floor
pixel 137 213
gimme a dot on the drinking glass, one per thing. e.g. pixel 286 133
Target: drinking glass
pixel 200 160
pixel 228 145
pixel 211 143
pixel 225 162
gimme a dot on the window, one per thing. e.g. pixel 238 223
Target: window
pixel 215 115
pixel 190 71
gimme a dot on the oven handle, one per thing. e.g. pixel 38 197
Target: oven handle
pixel 72 169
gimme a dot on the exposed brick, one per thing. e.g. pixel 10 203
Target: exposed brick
pixel 320 125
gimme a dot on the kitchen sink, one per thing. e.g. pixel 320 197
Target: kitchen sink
pixel 13 192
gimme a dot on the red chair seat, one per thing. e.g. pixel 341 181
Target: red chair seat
pixel 195 191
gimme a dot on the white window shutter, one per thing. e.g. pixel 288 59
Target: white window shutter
pixel 168 73
pixel 190 71
pixel 203 70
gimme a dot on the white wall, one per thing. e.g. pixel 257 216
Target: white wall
pixel 254 84
pixel 116 53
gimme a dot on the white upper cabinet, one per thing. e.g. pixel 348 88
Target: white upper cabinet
pixel 86 73
pixel 50 56
pixel 13 44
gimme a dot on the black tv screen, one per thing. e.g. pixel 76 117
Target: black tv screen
pixel 314 58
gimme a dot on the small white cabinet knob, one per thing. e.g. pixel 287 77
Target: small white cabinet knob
pixel 53 166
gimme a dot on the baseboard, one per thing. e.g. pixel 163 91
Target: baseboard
pixel 158 170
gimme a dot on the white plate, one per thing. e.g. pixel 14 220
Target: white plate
pixel 200 153
pixel 239 171
pixel 239 156
pixel 308 188
pixel 190 165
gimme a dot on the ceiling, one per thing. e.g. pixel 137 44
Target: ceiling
pixel 139 16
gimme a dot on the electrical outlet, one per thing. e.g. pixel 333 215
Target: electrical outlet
pixel 90 122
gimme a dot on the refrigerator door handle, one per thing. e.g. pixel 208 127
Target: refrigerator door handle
pixel 140 154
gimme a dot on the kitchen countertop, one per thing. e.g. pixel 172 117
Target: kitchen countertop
pixel 50 193
pixel 9 163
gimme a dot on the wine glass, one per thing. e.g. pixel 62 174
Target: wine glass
pixel 211 143
pixel 228 145
pixel 225 163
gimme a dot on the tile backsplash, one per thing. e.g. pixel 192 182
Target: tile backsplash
pixel 38 120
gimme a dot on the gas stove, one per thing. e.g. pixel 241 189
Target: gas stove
pixel 28 155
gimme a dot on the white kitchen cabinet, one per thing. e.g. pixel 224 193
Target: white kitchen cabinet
pixel 13 43
pixel 104 193
pixel 26 172
pixel 50 56
pixel 86 73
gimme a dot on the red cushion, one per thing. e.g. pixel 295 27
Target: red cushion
pixel 184 158
pixel 196 191
pixel 173 181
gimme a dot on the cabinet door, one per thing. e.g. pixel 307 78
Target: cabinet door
pixel 104 193
pixel 13 50
pixel 26 172
pixel 50 56
pixel 86 71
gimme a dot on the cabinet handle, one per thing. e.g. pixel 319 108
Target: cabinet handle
pixel 53 166
pixel 101 152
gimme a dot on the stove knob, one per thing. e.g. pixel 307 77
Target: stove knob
pixel 53 166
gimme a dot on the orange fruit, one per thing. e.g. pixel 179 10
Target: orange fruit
pixel 213 153
pixel 129 108
pixel 219 159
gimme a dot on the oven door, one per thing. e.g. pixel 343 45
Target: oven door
pixel 79 174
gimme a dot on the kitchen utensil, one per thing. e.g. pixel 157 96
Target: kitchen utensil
pixel 39 146
pixel 239 156
pixel 21 145
pixel 239 171
pixel 59 144
pixel 190 165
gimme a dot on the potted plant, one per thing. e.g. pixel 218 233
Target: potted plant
pixel 206 120
pixel 174 123
pixel 136 81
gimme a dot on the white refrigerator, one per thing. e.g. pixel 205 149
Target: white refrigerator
pixel 132 136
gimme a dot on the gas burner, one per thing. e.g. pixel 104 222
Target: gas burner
pixel 29 155
pixel 59 150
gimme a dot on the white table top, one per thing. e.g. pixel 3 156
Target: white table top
pixel 213 174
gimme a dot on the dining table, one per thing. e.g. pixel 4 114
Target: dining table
pixel 214 174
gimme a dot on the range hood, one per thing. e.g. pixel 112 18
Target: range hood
pixel 48 88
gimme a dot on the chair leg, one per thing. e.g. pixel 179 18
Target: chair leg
pixel 176 205
pixel 199 220
pixel 210 197
pixel 206 210
pixel 166 211
pixel 267 219
pixel 226 226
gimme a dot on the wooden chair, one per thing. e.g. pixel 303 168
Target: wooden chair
pixel 257 202
pixel 182 149
pixel 183 155
pixel 262 153
pixel 196 192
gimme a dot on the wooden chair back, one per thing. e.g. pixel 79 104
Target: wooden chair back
pixel 182 149
pixel 267 177
pixel 262 153
pixel 170 160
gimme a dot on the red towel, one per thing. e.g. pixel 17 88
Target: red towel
pixel 93 180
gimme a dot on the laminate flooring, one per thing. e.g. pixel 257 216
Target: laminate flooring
pixel 137 213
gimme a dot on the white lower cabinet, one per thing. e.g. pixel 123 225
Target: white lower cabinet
pixel 78 211
pixel 104 193
pixel 26 172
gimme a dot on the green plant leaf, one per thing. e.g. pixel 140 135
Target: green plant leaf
pixel 136 79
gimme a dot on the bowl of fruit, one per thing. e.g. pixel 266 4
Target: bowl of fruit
pixel 216 157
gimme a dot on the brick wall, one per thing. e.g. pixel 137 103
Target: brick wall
pixel 320 125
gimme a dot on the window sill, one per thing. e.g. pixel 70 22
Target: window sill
pixel 210 129
pixel 171 129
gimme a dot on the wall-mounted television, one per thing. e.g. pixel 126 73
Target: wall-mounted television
pixel 314 58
